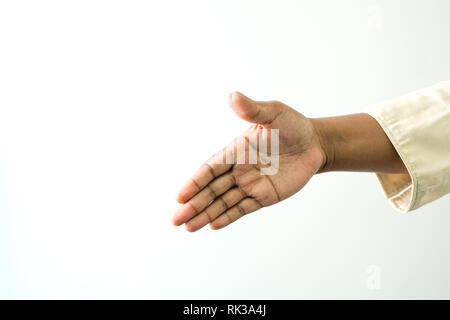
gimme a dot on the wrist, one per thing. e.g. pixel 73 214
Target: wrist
pixel 324 143
pixel 355 142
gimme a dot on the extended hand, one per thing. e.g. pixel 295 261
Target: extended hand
pixel 220 193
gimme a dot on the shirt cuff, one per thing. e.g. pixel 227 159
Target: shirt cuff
pixel 418 126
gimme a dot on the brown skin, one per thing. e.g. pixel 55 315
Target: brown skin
pixel 356 142
pixel 219 194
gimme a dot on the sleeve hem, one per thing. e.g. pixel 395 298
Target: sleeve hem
pixel 402 197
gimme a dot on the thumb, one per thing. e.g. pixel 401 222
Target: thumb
pixel 254 111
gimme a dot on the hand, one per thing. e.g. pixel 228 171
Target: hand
pixel 219 193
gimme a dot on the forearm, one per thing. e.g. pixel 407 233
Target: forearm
pixel 356 143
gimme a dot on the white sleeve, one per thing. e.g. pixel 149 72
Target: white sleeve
pixel 418 125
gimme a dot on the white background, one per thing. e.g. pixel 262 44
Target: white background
pixel 106 107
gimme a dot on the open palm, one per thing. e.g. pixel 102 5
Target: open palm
pixel 221 192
